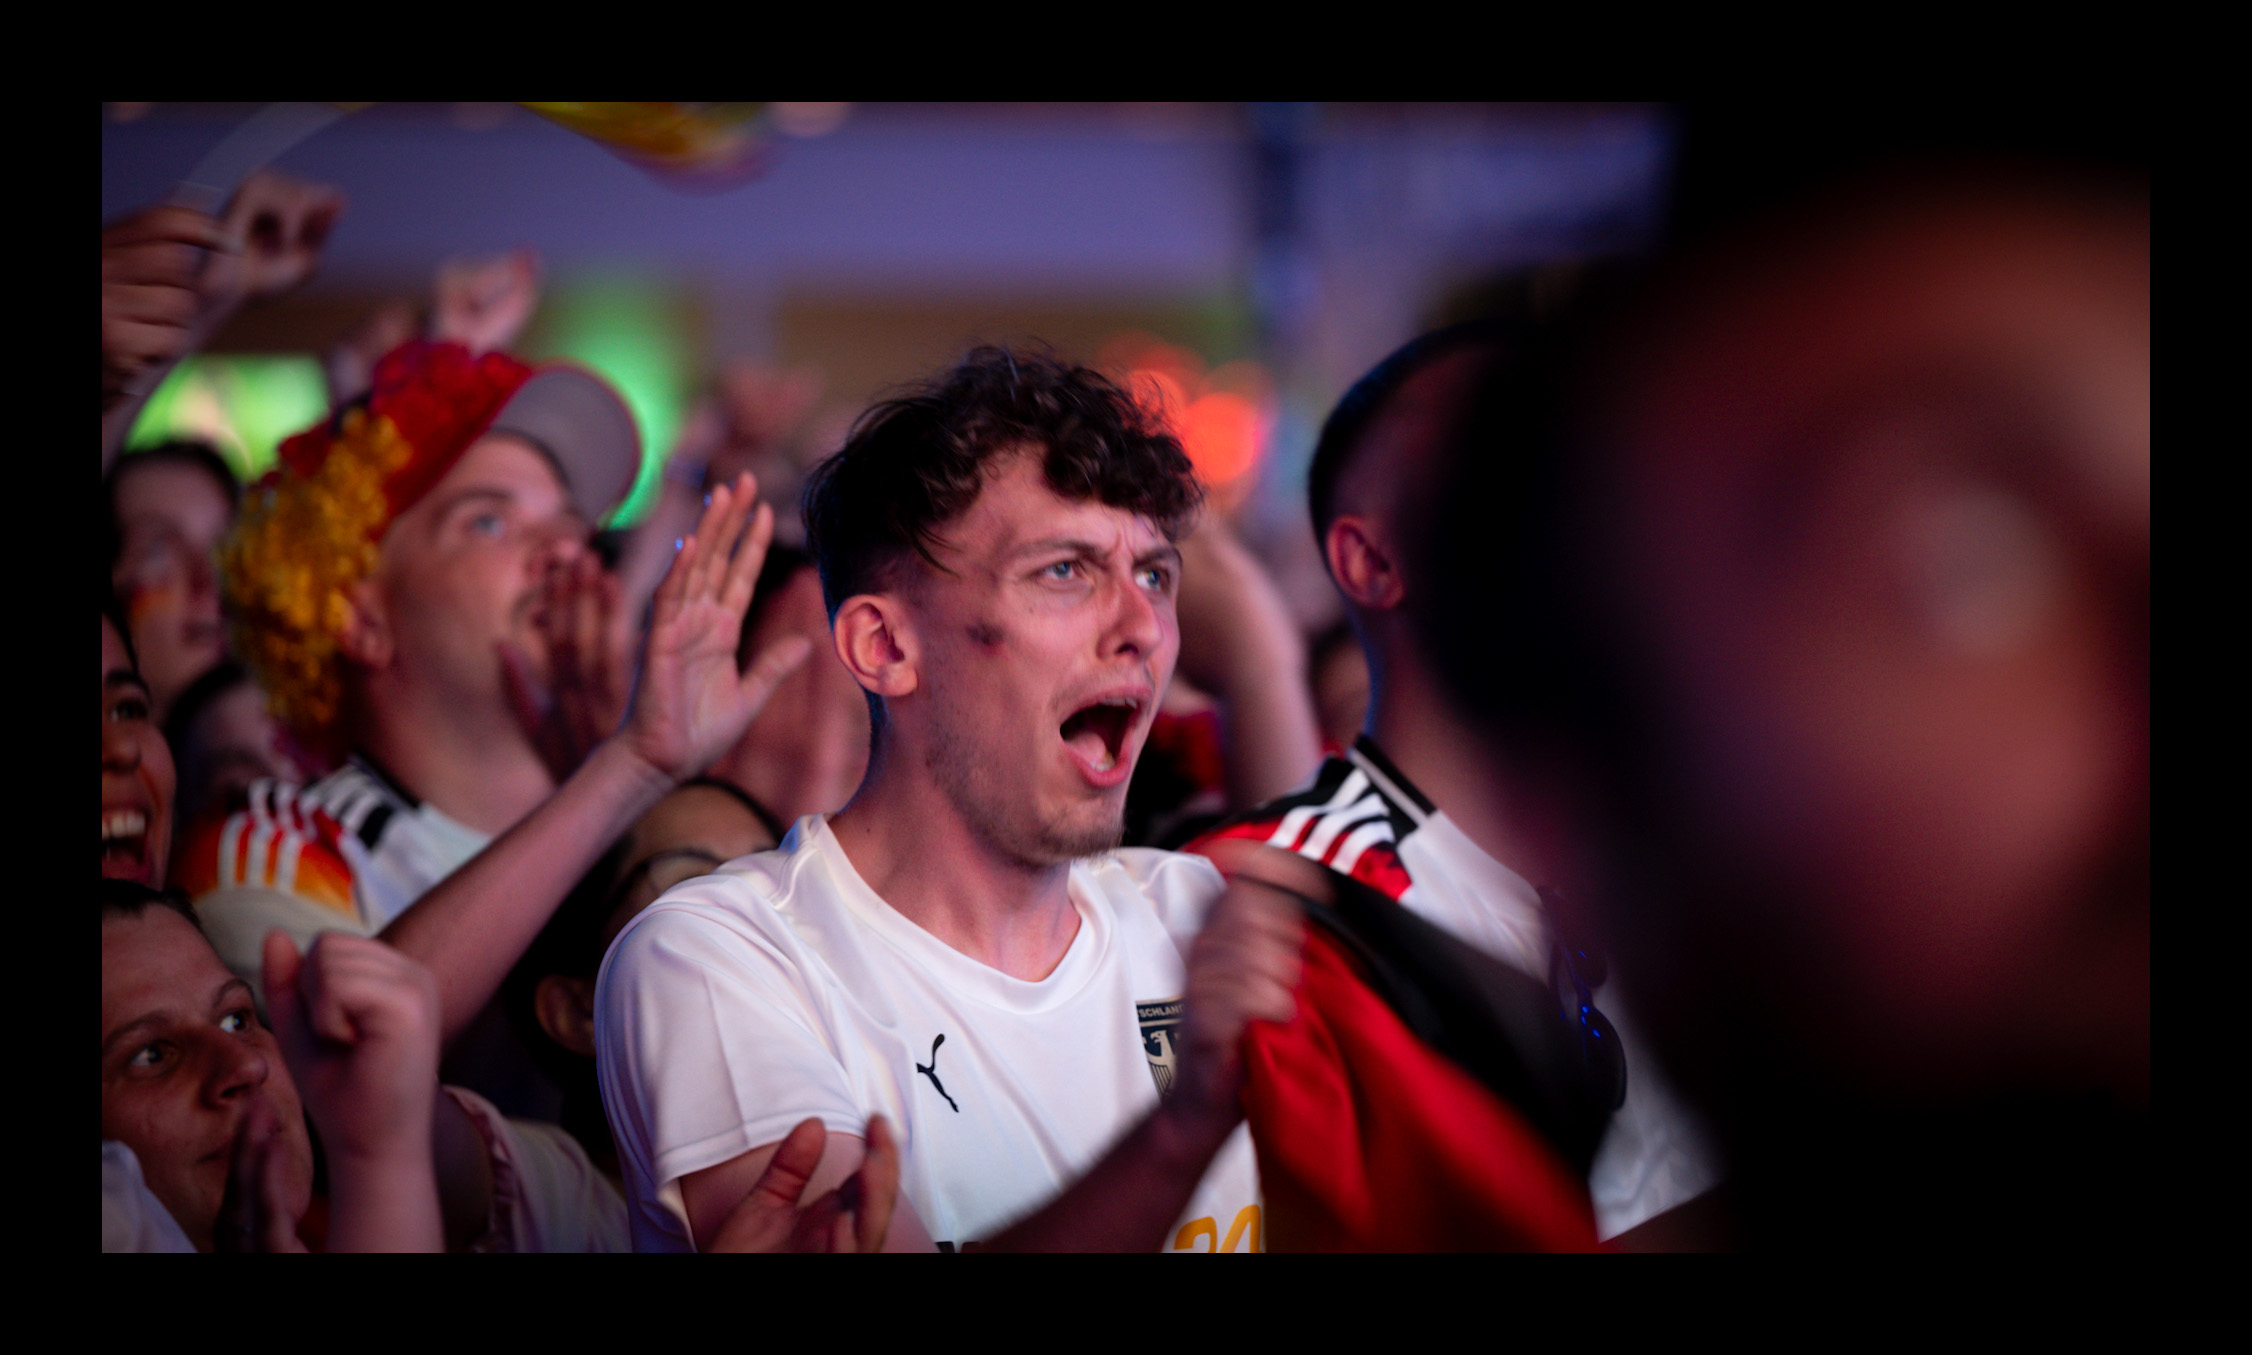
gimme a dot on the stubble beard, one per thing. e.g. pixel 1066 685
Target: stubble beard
pixel 991 803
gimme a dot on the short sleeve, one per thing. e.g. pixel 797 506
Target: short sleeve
pixel 710 1042
pixel 547 1194
pixel 1181 886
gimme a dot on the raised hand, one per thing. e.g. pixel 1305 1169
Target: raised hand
pixel 692 704
pixel 854 1217
pixel 152 262
pixel 483 304
pixel 280 225
pixel 357 1022
pixel 358 1026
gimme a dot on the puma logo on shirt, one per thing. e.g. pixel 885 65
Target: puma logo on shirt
pixel 930 1070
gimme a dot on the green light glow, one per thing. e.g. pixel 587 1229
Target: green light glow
pixel 242 404
pixel 633 334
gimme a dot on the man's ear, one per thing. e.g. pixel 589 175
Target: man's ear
pixel 1363 565
pixel 877 645
pixel 565 1007
pixel 367 639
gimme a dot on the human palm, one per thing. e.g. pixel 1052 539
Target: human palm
pixel 693 704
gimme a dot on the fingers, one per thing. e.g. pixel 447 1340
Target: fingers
pixel 783 1182
pixel 358 989
pixel 277 1228
pixel 279 968
pixel 590 652
pixel 168 225
pixel 743 570
pixel 726 521
pixel 525 695
pixel 877 1187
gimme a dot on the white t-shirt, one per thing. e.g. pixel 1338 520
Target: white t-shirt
pixel 782 987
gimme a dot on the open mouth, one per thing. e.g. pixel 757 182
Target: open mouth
pixel 1097 733
pixel 125 843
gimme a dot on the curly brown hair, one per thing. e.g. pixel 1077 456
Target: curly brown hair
pixel 917 460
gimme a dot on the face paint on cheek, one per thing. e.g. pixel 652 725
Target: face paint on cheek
pixel 143 603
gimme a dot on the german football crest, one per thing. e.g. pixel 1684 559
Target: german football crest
pixel 1161 1027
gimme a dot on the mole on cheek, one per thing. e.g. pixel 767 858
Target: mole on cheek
pixel 986 634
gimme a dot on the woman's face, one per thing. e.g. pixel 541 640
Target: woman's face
pixel 170 518
pixel 137 778
pixel 184 1061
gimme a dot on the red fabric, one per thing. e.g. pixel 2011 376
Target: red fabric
pixel 1370 1140
pixel 1192 744
pixel 440 395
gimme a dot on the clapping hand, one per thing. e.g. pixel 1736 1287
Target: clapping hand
pixel 255 1215
pixel 588 635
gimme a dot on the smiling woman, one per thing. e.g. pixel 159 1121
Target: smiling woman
pixel 137 778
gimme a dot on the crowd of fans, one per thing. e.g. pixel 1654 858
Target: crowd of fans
pixel 1721 820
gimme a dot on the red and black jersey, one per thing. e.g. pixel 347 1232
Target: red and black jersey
pixel 1351 819
pixel 1427 1096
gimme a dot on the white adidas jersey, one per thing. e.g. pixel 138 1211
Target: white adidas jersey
pixel 782 987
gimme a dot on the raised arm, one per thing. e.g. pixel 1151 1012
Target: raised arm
pixel 1239 643
pixel 171 276
pixel 690 705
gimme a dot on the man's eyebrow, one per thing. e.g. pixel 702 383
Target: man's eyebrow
pixel 219 998
pixel 1048 545
pixel 462 496
pixel 1167 554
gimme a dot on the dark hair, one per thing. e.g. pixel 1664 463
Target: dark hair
pixel 918 460
pixel 782 565
pixel 130 898
pixel 217 681
pixel 114 612
pixel 1348 424
pixel 186 452
pixel 571 942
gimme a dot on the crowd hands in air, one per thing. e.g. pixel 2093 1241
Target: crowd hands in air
pixel 757 881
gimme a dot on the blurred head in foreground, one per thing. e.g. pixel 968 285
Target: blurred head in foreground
pixel 1837 581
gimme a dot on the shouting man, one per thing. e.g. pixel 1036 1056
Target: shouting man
pixel 963 947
